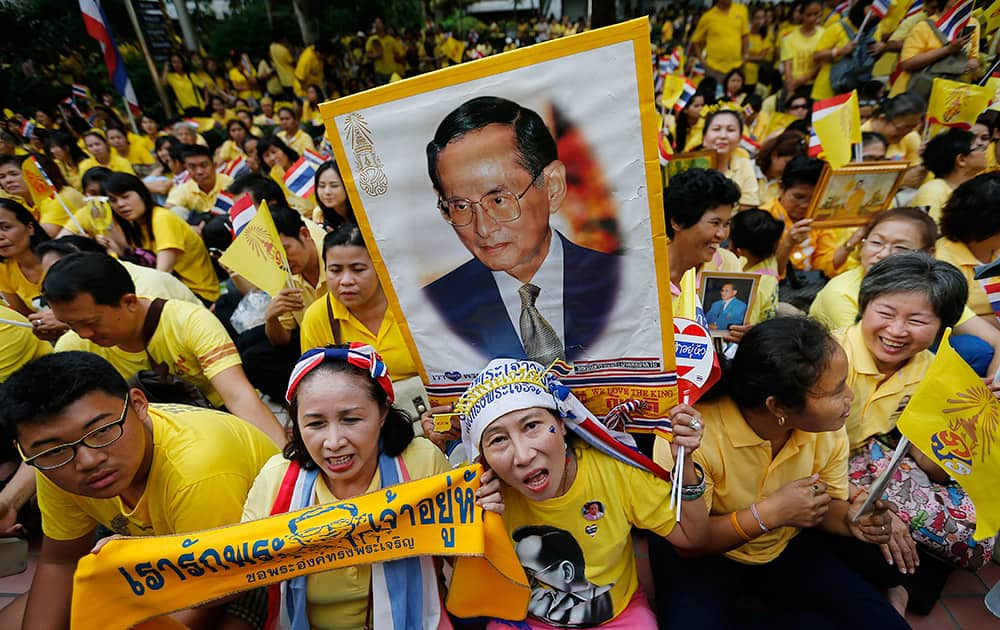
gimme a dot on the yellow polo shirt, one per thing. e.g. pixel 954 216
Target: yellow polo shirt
pixel 189 339
pixel 117 163
pixel 798 49
pixel 298 142
pixel 740 470
pixel 722 33
pixel 339 598
pixel 18 344
pixel 934 194
pixel 906 150
pixel 316 333
pixel 878 401
pixel 189 195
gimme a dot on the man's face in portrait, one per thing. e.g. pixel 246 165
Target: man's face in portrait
pixel 485 162
pixel 728 292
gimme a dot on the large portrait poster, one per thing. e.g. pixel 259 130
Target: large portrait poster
pixel 512 207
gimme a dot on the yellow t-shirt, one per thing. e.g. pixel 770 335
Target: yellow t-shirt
pixel 189 195
pixel 338 599
pixel 626 497
pixel 959 255
pixel 229 151
pixel 755 46
pixel 138 155
pixel 833 37
pixel 298 142
pixel 158 284
pixel 741 171
pixel 934 194
pixel 878 401
pixel 798 48
pixel 193 265
pixel 311 114
pixel 740 470
pixel 241 84
pixel 204 462
pixel 308 71
pixel 284 64
pixel 187 90
pixel 189 340
pixel 386 63
pixel 316 333
pixel 117 163
pixel 923 39
pixel 12 280
pixel 722 34
pixel 18 345
pixel 51 211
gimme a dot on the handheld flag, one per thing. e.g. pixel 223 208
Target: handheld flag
pixel 663 150
pixel 954 419
pixel 992 288
pixel 242 212
pixel 915 8
pixel 300 177
pixel 80 91
pixel 957 104
pixel 181 178
pixel 223 203
pixel 837 124
pixel 235 168
pixel 749 145
pixel 27 128
pixel 880 8
pixel 99 28
pixel 316 158
pixel 681 92
pixel 257 254
pixel 38 182
pixel 951 23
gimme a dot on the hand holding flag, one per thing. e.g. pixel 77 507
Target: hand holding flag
pixel 258 255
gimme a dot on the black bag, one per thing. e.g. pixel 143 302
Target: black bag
pixel 855 68
pixel 951 67
pixel 799 288
pixel 157 383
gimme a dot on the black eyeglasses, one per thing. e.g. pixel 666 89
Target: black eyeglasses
pixel 503 206
pixel 59 456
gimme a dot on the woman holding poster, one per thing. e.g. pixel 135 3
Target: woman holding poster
pixel 571 498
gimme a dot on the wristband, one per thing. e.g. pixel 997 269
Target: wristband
pixel 697 490
pixel 760 522
pixel 736 525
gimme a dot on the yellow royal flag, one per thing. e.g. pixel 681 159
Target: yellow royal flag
pixel 36 181
pixel 673 87
pixel 258 255
pixel 778 122
pixel 992 17
pixel 837 122
pixel 134 579
pixel 954 419
pixel 956 104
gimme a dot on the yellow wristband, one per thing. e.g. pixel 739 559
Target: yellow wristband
pixel 736 525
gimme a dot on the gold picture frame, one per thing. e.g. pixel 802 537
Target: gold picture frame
pixel 710 294
pixel 706 158
pixel 852 195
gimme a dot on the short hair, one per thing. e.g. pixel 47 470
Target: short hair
pixel 870 137
pixel 784 357
pixel 98 275
pixel 903 104
pixel 692 193
pixel 536 148
pixel 344 234
pixel 260 187
pixel 397 430
pixel 26 218
pixel 943 149
pixel 787 144
pixel 946 288
pixel 195 150
pixel 44 387
pixel 756 231
pixel 16 160
pixel 970 215
pixel 916 216
pixel 69 244
pixel 289 222
pixel 802 169
pixel 558 545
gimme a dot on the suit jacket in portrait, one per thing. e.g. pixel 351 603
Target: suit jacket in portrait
pixel 725 315
pixel 469 301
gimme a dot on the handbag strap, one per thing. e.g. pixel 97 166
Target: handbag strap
pixel 149 324
pixel 334 324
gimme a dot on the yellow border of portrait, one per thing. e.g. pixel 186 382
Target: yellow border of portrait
pixel 636 31
pixel 841 218
pixel 752 278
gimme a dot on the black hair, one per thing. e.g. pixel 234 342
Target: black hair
pixel 69 244
pixel 692 193
pixel 46 386
pixel 536 148
pixel 943 149
pixel 237 121
pixel 784 357
pixel 903 104
pixel 558 545
pixel 289 222
pixel 273 140
pixel 946 288
pixel 344 234
pixel 332 218
pixel 802 169
pixel 119 184
pixel 397 430
pixel 682 126
pixel 867 137
pixel 195 150
pixel 730 74
pixel 96 175
pixel 756 231
pixel 98 275
pixel 720 112
pixel 916 216
pixel 16 160
pixel 26 218
pixel 260 187
pixel 786 144
pixel 68 142
pixel 970 215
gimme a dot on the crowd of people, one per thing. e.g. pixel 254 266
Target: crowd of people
pixel 146 389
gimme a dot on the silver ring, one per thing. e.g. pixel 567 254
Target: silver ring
pixel 695 424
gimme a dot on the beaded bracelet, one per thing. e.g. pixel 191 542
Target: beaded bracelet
pixel 697 490
pixel 753 510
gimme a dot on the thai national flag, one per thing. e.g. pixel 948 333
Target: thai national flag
pixel 749 145
pixel 181 178
pixel 97 27
pixel 300 177
pixel 27 127
pixel 843 7
pixel 686 95
pixel 80 91
pixel 880 7
pixel 665 154
pixel 316 158
pixel 242 212
pixel 223 203
pixel 992 288
pixel 235 168
pixel 951 23
pixel 915 8
pixel 815 147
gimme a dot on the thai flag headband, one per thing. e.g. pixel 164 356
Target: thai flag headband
pixel 357 354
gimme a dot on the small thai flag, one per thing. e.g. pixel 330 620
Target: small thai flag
pixel 815 147
pixel 686 95
pixel 880 7
pixel 749 145
pixel 842 8
pixel 326 149
pixel 992 288
pixel 915 8
pixel 180 179
pixel 697 70
pixel 223 203
pixel 316 158
pixel 27 128
pixel 80 91
pixel 242 212
pixel 951 23
pixel 235 168
pixel 664 153
pixel 300 177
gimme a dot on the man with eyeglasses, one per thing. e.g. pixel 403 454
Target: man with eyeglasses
pixel 529 292
pixel 103 455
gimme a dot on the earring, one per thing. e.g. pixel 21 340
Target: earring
pixel 781 421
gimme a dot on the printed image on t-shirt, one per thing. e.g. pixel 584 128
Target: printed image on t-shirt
pixel 561 595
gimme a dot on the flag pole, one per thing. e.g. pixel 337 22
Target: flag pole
pixel 71 216
pixel 857 36
pixel 131 118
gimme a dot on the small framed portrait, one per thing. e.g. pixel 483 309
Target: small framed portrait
pixel 727 299
pixel 853 194
pixel 693 159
